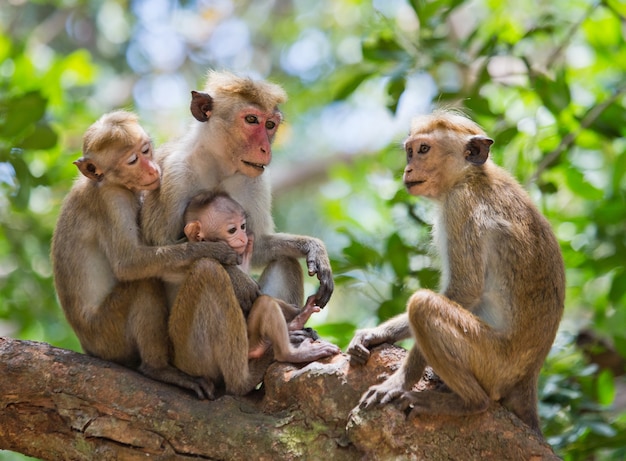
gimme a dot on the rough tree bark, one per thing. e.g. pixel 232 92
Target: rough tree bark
pixel 60 405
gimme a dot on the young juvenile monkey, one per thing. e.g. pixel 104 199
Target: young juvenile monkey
pixel 488 331
pixel 106 278
pixel 214 216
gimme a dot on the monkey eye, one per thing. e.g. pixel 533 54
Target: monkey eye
pixel 243 227
pixel 424 148
pixel 232 230
pixel 132 159
pixel 409 153
pixel 270 124
pixel 146 149
pixel 252 119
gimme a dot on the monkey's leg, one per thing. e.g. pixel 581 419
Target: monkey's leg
pixel 102 330
pixel 521 399
pixel 147 325
pixel 266 324
pixel 283 279
pixel 208 329
pixel 258 345
pixel 298 322
pixel 455 343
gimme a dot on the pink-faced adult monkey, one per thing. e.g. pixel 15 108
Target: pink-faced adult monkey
pixel 488 331
pixel 229 148
pixel 106 278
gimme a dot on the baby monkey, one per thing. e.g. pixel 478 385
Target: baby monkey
pixel 214 216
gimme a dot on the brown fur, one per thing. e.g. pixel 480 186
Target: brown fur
pixel 488 331
pixel 106 278
pixel 217 217
pixel 228 147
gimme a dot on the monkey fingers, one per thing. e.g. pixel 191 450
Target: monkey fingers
pixel 221 252
pixel 318 264
pixel 207 387
pixel 358 354
pixel 300 320
pixel 381 394
pixel 359 346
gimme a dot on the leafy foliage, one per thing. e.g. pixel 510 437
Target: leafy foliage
pixel 545 79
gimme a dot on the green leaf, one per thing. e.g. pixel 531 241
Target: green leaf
pixel 605 388
pixel 618 287
pixel 554 94
pixel 340 332
pixel 580 186
pixel 391 308
pixel 22 112
pixel 44 137
pixel 398 255
pixel 395 88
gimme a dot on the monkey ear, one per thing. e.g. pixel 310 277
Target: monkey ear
pixel 192 231
pixel 89 169
pixel 477 150
pixel 201 105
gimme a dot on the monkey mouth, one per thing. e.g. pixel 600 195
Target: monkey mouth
pixel 256 166
pixel 410 184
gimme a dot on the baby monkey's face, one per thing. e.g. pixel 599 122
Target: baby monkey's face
pixel 226 226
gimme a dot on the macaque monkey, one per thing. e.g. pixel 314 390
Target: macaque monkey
pixel 214 216
pixel 488 331
pixel 106 278
pixel 229 147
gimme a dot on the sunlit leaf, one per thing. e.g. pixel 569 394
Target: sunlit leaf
pixel 605 387
pixel 580 186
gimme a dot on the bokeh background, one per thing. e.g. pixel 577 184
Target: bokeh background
pixel 545 78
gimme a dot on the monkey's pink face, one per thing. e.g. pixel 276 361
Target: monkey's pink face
pixel 217 225
pixel 136 169
pixel 257 129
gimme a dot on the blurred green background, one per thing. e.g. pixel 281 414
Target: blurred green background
pixel 546 79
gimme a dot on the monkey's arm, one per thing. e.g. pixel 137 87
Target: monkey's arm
pixel 245 287
pixel 391 331
pixel 119 238
pixel 268 247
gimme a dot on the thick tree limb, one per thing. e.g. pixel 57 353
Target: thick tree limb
pixel 61 405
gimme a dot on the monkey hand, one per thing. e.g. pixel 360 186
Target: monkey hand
pixel 219 251
pixel 385 392
pixel 245 287
pixel 360 344
pixel 318 264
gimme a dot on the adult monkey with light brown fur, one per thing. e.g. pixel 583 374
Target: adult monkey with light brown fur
pixel 105 276
pixel 502 287
pixel 229 148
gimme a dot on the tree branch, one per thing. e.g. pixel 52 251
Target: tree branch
pixel 59 405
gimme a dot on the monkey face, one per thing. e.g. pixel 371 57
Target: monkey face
pixel 222 225
pixel 421 174
pixel 136 168
pixel 257 130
